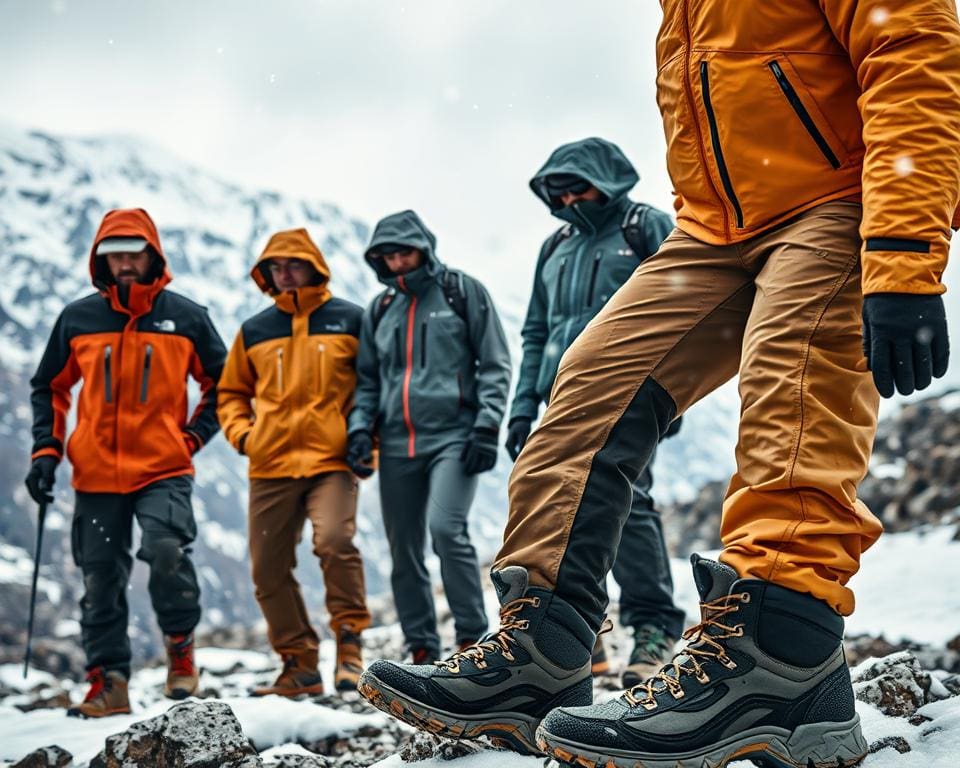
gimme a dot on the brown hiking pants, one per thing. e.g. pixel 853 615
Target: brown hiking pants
pixel 278 509
pixel 783 309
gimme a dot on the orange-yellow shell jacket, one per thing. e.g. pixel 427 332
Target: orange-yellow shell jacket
pixel 771 108
pixel 290 376
pixel 134 358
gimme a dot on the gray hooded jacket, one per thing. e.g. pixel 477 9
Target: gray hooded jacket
pixel 426 377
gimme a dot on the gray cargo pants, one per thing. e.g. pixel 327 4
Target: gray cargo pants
pixel 431 493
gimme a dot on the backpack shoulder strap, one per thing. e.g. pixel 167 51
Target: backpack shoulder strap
pixel 380 305
pixel 633 227
pixel 553 242
pixel 455 293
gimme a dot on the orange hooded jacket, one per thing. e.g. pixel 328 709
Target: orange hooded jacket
pixel 290 376
pixel 134 358
pixel 771 108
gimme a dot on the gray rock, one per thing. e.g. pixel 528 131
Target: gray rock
pixel 189 735
pixel 46 757
pixel 895 684
pixel 890 742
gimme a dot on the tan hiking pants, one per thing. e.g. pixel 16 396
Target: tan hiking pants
pixel 278 509
pixel 783 309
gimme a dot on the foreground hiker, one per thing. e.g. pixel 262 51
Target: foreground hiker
pixel 606 236
pixel 288 381
pixel 433 374
pixel 815 192
pixel 132 344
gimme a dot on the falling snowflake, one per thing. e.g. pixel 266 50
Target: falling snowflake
pixel 451 94
pixel 879 15
pixel 903 165
pixel 272 78
pixel 766 161
pixel 220 50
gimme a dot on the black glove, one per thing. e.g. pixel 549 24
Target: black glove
pixel 360 453
pixel 905 340
pixel 673 428
pixel 517 433
pixel 242 445
pixel 40 478
pixel 480 451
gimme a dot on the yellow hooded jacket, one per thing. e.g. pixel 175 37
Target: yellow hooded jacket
pixel 290 376
pixel 772 108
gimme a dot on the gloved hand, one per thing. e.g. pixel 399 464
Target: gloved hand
pixel 905 340
pixel 517 433
pixel 41 477
pixel 193 445
pixel 242 444
pixel 360 453
pixel 479 454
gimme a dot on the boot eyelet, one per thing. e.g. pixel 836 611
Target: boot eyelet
pixel 481 665
pixel 703 678
pixel 536 602
pixel 738 631
pixel 678 693
pixel 649 704
pixel 745 597
pixel 727 662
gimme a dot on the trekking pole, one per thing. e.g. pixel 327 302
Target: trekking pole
pixel 33 589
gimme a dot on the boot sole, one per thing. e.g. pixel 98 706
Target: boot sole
pixel 513 731
pixel 819 745
pixel 289 693
pixel 105 713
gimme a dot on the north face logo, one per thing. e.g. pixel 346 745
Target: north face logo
pixel 165 326
pixel 335 327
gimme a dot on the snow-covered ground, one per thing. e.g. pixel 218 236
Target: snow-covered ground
pixel 906 590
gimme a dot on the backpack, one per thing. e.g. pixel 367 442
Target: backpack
pixel 633 229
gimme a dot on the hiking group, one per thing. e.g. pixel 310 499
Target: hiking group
pixel 814 150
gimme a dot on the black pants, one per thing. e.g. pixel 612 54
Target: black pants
pixel 102 539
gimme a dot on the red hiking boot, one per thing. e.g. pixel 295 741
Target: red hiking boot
pixel 183 677
pixel 107 695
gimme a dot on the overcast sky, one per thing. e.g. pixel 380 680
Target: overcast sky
pixel 376 105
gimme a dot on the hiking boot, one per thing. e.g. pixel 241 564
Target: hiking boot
pixel 299 677
pixel 464 644
pixel 423 656
pixel 599 665
pixel 183 677
pixel 349 660
pixel 498 690
pixel 762 677
pixel 652 648
pixel 107 695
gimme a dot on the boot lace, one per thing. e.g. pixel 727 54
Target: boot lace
pixel 181 655
pixel 97 679
pixel 702 646
pixel 498 642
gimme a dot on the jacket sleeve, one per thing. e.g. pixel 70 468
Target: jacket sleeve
pixel 489 344
pixel 656 228
pixel 526 400
pixel 235 393
pixel 366 399
pixel 907 58
pixel 206 367
pixel 50 393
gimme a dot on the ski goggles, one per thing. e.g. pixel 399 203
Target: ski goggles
pixel 560 184
pixel 385 249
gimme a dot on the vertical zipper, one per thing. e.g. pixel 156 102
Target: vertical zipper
pixel 423 344
pixel 145 381
pixel 717 149
pixel 593 279
pixel 397 345
pixel 322 351
pixel 407 376
pixel 794 98
pixel 563 267
pixel 107 379
pixel 280 371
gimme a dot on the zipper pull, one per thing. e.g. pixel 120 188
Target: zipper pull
pixel 280 370
pixel 107 379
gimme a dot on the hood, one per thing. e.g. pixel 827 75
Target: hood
pixel 599 161
pixel 127 222
pixel 293 244
pixel 404 228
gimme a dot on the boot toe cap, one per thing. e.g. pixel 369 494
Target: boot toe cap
pixel 596 725
pixel 408 679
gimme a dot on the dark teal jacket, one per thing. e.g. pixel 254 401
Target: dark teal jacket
pixel 425 376
pixel 574 282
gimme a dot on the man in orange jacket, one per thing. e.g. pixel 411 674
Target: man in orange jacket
pixel 283 398
pixel 815 151
pixel 133 344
